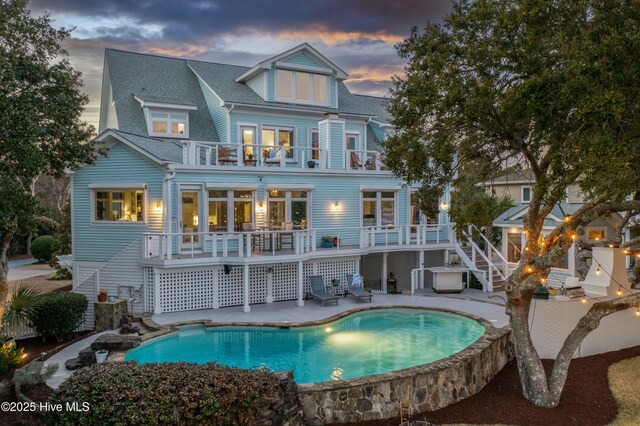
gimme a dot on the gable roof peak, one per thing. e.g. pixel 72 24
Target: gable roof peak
pixel 269 62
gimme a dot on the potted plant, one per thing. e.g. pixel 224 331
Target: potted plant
pixel 327 241
pixel 335 241
pixel 335 282
pixel 102 296
pixel 311 164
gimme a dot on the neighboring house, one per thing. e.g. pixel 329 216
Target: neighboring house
pixel 518 185
pixel 228 186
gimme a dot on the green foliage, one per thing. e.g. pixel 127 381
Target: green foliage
pixel 24 304
pixel 127 393
pixel 59 314
pixel 551 85
pixel 10 356
pixel 32 374
pixel 471 204
pixel 40 107
pixel 42 247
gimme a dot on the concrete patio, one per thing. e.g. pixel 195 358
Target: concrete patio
pixel 470 301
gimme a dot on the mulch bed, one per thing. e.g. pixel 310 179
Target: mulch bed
pixel 34 346
pixel 586 399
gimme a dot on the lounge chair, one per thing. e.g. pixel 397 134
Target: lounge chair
pixel 357 290
pixel 319 291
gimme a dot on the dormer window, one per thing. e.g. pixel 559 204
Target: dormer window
pixel 302 87
pixel 169 124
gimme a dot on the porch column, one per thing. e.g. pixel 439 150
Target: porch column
pixel 169 229
pixel 571 257
pixel 156 292
pixel 421 266
pixel 269 285
pixel 383 281
pixel 245 288
pixel 300 302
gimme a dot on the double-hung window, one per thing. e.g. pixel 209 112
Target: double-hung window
pixel 119 205
pixel 526 194
pixel 288 206
pixel 378 208
pixel 277 142
pixel 304 87
pixel 230 210
pixel 169 124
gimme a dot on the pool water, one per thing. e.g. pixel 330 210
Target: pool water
pixel 359 344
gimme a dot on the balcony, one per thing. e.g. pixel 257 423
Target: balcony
pixel 266 245
pixel 284 157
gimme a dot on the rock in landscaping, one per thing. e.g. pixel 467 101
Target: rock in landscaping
pixel 87 356
pixel 73 364
pixel 116 342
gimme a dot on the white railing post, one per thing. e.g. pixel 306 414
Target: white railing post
pixel 240 245
pixel 438 234
pixel 169 249
pixel 338 239
pixel 225 245
pixel 313 241
pixel 248 242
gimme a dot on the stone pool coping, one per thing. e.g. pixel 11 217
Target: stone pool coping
pixel 424 387
pixel 168 329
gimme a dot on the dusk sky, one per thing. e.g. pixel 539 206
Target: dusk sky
pixel 358 35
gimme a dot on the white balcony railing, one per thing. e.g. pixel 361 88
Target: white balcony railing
pixel 252 155
pixel 266 242
pixel 363 160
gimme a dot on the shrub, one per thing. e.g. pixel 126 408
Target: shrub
pixel 127 393
pixel 10 356
pixel 42 248
pixel 59 314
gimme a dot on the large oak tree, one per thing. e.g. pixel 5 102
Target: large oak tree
pixel 552 85
pixel 40 127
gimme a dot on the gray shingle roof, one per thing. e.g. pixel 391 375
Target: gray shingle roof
pixel 523 175
pixel 164 150
pixel 155 77
pixel 558 211
pixel 221 79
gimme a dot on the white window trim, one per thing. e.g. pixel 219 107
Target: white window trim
pixel 169 121
pixel 358 139
pixel 294 86
pixel 93 188
pixel 378 201
pixel 287 202
pixel 256 134
pixel 276 129
pixel 231 199
pixel 522 188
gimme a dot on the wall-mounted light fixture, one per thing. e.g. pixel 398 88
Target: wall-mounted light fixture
pixel 336 206
pixel 158 207
pixel 260 206
pixel 444 206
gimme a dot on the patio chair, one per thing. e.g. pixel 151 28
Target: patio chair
pixel 319 291
pixel 355 288
pixel 226 155
pixel 286 238
pixel 354 158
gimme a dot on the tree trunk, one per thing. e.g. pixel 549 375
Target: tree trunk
pixel 5 240
pixel 532 375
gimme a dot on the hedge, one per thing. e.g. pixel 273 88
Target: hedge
pixel 128 393
pixel 59 314
pixel 42 248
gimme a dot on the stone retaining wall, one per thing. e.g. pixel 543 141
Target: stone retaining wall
pixel 423 388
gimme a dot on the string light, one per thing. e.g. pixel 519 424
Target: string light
pixel 529 269
pixel 584 299
pixel 542 280
pixel 573 237
pixel 619 291
pixel 638 312
pixel 598 270
pixel 567 218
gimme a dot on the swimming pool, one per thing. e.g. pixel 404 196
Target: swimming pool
pixel 360 344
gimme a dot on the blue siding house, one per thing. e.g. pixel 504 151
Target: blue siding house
pixel 228 186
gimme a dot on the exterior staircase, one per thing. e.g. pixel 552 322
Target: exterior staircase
pixel 498 280
pixel 488 265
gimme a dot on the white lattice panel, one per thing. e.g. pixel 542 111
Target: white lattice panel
pixel 336 269
pixel 187 290
pixel 257 284
pixel 307 269
pixel 230 287
pixel 285 281
pixel 148 289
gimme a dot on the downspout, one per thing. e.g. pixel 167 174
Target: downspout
pixel 231 106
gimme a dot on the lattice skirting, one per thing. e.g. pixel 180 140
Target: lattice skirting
pixel 210 287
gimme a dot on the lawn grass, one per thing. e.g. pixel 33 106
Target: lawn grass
pixel 624 382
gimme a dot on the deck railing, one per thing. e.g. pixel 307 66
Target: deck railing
pixel 363 160
pixel 166 246
pixel 252 155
